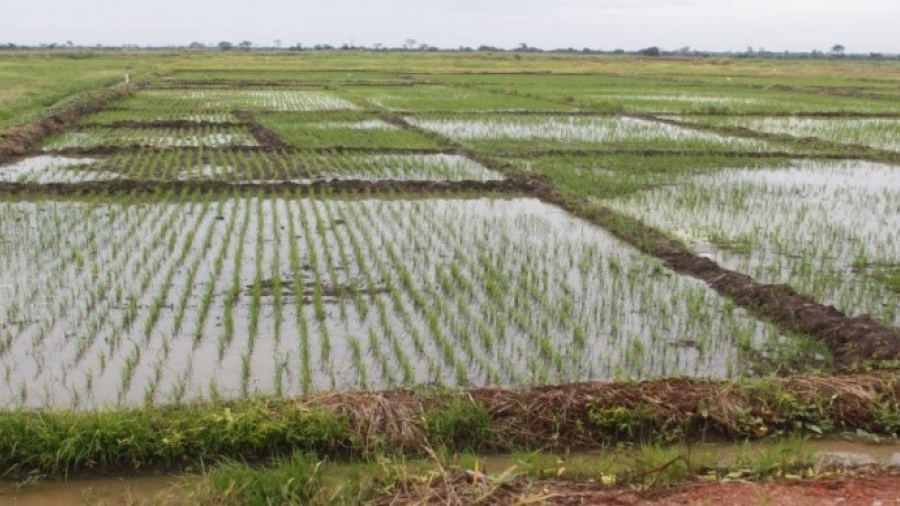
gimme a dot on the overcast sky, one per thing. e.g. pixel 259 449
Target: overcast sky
pixel 719 25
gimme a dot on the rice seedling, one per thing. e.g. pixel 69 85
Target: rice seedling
pixel 879 133
pixel 825 228
pixel 457 292
pixel 201 136
pixel 229 100
pixel 517 134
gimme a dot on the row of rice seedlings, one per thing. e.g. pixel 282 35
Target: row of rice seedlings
pixel 159 291
pixel 203 135
pixel 229 100
pixel 718 95
pixel 303 132
pixel 879 133
pixel 448 98
pixel 829 229
pixel 72 305
pixel 51 169
pixel 561 132
pixel 110 117
pixel 387 292
pixel 293 166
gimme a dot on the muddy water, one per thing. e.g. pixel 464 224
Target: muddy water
pixel 843 453
pixel 157 490
pixel 165 490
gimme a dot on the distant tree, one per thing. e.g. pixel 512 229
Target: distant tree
pixel 198 45
pixel 685 50
pixel 245 45
pixel 226 46
pixel 278 43
pixel 837 50
pixel 650 51
pixel 70 43
pixel 410 43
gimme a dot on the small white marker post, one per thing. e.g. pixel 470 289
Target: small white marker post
pixel 127 77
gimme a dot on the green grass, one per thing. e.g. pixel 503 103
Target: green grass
pixel 32 83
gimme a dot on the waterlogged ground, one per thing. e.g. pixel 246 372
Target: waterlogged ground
pixel 208 136
pixel 251 167
pixel 229 100
pixel 830 229
pixel 560 132
pixel 879 133
pixel 169 302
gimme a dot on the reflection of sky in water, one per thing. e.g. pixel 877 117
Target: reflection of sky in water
pixel 811 225
pixel 509 291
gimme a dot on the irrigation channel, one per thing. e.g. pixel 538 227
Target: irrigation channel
pixel 183 489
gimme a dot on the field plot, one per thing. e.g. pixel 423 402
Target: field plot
pixel 667 96
pixel 879 133
pixel 604 175
pixel 111 116
pixel 301 167
pixel 205 136
pixel 245 77
pixel 229 100
pixel 513 133
pixel 215 295
pixel 51 169
pixel 829 229
pixel 346 130
pixel 436 98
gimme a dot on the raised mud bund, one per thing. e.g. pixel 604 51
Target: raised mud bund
pixel 206 243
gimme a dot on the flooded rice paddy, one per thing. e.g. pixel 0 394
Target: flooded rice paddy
pixel 300 167
pixel 583 131
pixel 215 296
pixel 828 228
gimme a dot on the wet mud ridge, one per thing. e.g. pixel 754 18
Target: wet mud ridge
pixel 517 185
pixel 20 140
pixel 263 135
pixel 583 415
pixel 111 150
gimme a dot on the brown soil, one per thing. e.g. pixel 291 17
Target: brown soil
pixel 308 290
pixel 469 488
pixel 263 135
